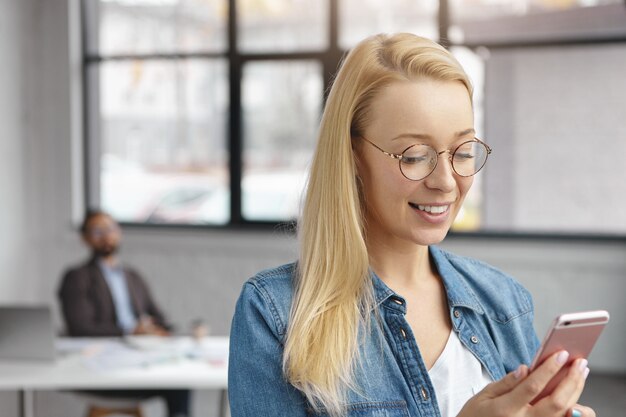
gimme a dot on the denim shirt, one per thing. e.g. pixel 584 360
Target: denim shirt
pixel 491 313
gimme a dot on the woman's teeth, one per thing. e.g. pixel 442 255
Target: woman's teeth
pixel 433 209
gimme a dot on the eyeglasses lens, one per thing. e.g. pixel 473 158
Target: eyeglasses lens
pixel 420 160
pixel 469 158
pixel 99 232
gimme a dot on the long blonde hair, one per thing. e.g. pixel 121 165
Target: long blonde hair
pixel 333 294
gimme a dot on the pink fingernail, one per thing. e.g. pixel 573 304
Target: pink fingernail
pixel 518 372
pixel 586 373
pixel 582 364
pixel 561 358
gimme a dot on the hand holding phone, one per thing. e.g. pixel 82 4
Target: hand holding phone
pixel 576 333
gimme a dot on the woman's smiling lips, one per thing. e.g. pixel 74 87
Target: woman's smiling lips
pixel 432 213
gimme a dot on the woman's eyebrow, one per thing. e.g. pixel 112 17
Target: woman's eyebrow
pixel 412 135
pixel 426 136
pixel 465 132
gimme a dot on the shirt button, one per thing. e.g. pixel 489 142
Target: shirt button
pixel 403 332
pixel 424 393
pixel 457 314
pixel 474 339
pixel 398 301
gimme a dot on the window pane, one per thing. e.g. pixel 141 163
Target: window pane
pixel 555 118
pixel 359 19
pixel 160 26
pixel 281 110
pixel 485 22
pixel 488 9
pixel 282 25
pixel 163 141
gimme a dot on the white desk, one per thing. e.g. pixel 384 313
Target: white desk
pixel 90 364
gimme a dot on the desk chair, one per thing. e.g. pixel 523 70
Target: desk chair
pixel 101 403
pixel 114 407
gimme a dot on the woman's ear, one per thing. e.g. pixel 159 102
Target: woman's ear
pixel 358 167
pixel 356 154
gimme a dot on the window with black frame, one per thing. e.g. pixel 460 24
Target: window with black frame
pixel 158 105
pixel 205 112
pixel 162 101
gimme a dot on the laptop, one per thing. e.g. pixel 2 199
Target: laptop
pixel 26 333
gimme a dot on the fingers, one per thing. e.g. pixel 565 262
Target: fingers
pixel 567 392
pixel 492 398
pixel 572 386
pixel 160 331
pixel 581 411
pixel 536 381
pixel 147 326
pixel 506 384
pixel 518 389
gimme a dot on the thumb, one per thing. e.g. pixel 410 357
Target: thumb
pixel 506 384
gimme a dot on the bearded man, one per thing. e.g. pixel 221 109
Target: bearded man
pixel 104 298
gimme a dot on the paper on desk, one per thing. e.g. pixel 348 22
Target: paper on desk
pixel 213 351
pixel 119 355
pixel 81 345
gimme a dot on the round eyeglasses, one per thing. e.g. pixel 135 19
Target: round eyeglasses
pixel 101 231
pixel 419 161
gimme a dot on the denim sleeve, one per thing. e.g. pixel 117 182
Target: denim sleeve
pixel 527 328
pixel 256 385
pixel 518 341
pixel 533 341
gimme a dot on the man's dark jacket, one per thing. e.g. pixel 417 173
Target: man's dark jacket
pixel 87 303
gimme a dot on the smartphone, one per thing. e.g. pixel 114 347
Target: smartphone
pixel 576 333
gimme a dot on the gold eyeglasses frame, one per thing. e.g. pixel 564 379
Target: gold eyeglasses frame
pixel 438 153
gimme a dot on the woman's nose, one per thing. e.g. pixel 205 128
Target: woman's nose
pixel 442 178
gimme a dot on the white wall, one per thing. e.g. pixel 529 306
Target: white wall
pixel 558 136
pixel 199 273
pixel 15 123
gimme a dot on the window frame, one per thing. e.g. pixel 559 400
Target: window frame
pixel 576 26
pixel 236 60
pixel 330 59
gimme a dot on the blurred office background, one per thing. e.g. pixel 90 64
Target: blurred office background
pixel 193 122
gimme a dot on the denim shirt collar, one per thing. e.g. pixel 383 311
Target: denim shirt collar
pixel 459 294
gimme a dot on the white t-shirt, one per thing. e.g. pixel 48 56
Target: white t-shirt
pixel 457 376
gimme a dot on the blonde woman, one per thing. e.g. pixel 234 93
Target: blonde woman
pixel 373 319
